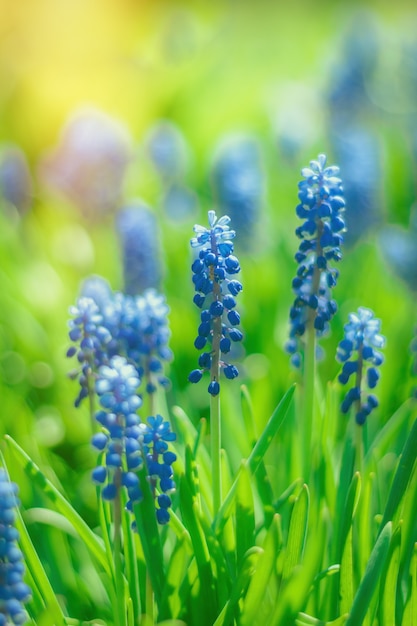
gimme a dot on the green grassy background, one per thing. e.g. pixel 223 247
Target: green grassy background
pixel 211 68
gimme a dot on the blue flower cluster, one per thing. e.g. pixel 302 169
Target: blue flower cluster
pixel 156 433
pixel 358 351
pixel 127 442
pixel 13 591
pixel 121 340
pixel 137 229
pixel 91 339
pixel 116 388
pixel 216 291
pixel 320 208
pixel 135 327
pixel 238 182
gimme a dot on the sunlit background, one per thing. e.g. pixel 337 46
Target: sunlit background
pixel 106 103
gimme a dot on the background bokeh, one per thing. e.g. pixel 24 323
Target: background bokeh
pixel 84 86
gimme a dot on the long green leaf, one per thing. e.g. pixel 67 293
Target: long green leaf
pixel 389 581
pixel 370 578
pixel 401 477
pixel 296 533
pixel 245 515
pixel 255 458
pixel 247 570
pixel 39 575
pixel 190 515
pixel 85 533
pixel 147 527
pixel 255 608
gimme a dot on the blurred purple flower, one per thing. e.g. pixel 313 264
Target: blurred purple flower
pixel 89 163
pixel 15 178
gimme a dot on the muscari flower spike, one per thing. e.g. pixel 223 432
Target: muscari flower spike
pixel 359 353
pixel 159 459
pixel 139 330
pixel 137 229
pixel 90 340
pixel 116 388
pixel 13 591
pixel 107 324
pixel 238 181
pixel 216 290
pixel 127 442
pixel 320 208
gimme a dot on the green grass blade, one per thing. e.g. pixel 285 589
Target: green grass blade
pixel 274 424
pixel 389 581
pixel 410 611
pixel 293 596
pixel 38 574
pixel 263 484
pixel 401 477
pixel 307 620
pixel 148 531
pixel 179 560
pixel 255 608
pixel 247 570
pixel 190 514
pixel 346 582
pixel 389 433
pixel 296 533
pixel 370 578
pixel 131 569
pixel 256 456
pixel 90 539
pixel 245 515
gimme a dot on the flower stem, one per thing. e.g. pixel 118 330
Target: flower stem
pixel 215 451
pixel 117 546
pixel 308 400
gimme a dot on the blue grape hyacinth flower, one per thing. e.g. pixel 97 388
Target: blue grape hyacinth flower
pixel 139 330
pixel 159 459
pixel 320 208
pixel 138 234
pixel 359 353
pixel 116 387
pixel 13 591
pixel 216 287
pixel 90 340
pixel 239 181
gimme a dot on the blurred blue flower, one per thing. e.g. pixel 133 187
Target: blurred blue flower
pixel 168 150
pixel 398 248
pixel 13 591
pixel 216 289
pixel 359 353
pixel 89 164
pixel 239 181
pixel 138 234
pixel 179 202
pixel 15 178
pixel 320 208
pixel 348 91
pixel 358 152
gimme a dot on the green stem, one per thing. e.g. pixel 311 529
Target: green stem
pixel 357 407
pixel 117 547
pixel 215 452
pixel 358 448
pixel 215 424
pixel 308 400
